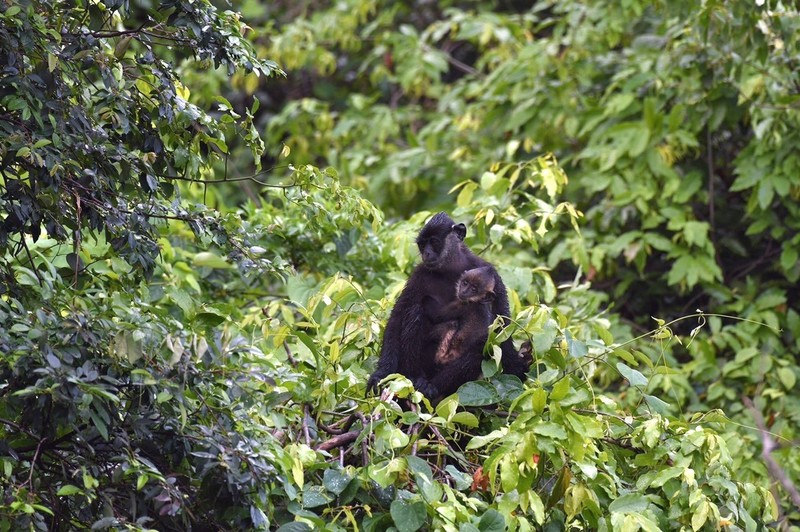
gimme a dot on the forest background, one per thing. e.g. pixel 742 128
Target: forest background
pixel 207 211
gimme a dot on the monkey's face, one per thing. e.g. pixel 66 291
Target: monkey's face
pixel 475 286
pixel 439 241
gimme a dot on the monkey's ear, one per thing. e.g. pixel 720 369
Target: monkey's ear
pixel 460 230
pixel 489 297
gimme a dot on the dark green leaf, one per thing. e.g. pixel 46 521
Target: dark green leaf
pixel 408 516
pixel 477 393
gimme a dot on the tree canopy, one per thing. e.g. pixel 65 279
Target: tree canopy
pixel 207 212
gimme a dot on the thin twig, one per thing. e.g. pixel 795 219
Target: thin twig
pixel 111 34
pixel 339 427
pixel 365 441
pixel 289 356
pixel 30 258
pixel 767 446
pixel 306 433
pixel 33 463
pixel 414 431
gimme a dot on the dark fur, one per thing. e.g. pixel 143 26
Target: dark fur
pixel 410 340
pixel 463 324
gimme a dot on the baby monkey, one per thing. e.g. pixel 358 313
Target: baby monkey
pixel 463 324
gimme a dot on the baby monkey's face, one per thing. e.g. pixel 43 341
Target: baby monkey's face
pixel 475 286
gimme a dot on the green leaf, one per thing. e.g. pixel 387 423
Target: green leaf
pixel 492 521
pixel 629 503
pixel 560 487
pixel 700 515
pixel 543 338
pixel 479 441
pixel 537 506
pixel 577 349
pixel 314 496
pixel 210 260
pixel 538 400
pixel 560 390
pixel 477 393
pixel 208 320
pixel 181 298
pixel 420 467
pixel 657 404
pixel 635 378
pixel 667 474
pixel 787 377
pixel 408 516
pixel 551 430
pixel 336 480
pixel 99 424
pixel 467 419
pixel 696 233
pixel 789 257
pixel 509 472
pixel 295 526
pixel 67 490
pixel 259 518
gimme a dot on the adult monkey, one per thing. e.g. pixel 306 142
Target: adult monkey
pixel 409 341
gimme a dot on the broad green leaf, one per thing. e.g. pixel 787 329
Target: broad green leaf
pixel 314 496
pixel 408 516
pixel 629 503
pixel 479 441
pixel 477 393
pixel 467 419
pixel 336 480
pixel 787 377
pixel 634 377
pixel 789 257
pixel 509 472
pixel 492 521
pixel 210 260
pixel 543 338
pixel 551 430
pixel 577 349
pixel 657 404
pixel 560 487
pixel 295 526
pixel 537 506
pixel 700 515
pixel 538 400
pixel 560 390
pixel 68 489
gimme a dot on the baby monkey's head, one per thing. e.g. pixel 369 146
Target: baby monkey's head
pixel 476 285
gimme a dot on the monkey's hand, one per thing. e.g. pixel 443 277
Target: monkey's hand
pixel 374 379
pixel 425 387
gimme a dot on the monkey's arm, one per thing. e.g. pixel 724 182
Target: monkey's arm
pixel 438 313
pixel 402 335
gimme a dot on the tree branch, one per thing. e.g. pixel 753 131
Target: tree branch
pixel 339 441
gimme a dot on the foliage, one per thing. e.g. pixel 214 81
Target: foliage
pixel 190 313
pixel 97 127
pixel 675 121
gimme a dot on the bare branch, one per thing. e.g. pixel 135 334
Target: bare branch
pixel 339 441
